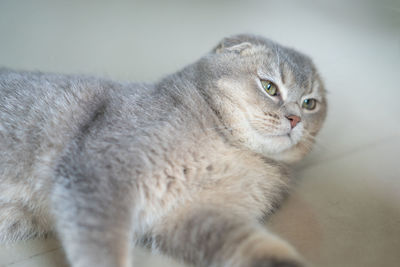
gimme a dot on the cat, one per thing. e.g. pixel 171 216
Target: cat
pixel 188 166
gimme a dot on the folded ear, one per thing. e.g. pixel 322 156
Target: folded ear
pixel 228 46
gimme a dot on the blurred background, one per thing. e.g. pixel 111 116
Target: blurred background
pixel 345 210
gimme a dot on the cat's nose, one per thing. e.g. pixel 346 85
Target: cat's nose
pixel 294 120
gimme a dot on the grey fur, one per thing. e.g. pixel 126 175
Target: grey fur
pixel 186 166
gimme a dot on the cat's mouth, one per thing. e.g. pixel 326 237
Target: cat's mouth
pixel 283 135
pixel 280 135
pixel 274 142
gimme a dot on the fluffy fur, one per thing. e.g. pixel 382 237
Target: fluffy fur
pixel 187 166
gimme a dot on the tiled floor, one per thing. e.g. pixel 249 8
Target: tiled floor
pixel 345 210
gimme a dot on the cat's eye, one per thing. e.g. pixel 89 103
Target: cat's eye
pixel 270 87
pixel 309 103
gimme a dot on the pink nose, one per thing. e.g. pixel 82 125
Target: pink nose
pixel 294 120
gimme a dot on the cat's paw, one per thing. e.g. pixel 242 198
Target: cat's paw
pixel 271 252
pixel 268 262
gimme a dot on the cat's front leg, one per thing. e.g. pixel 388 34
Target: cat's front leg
pixel 212 236
pixel 93 221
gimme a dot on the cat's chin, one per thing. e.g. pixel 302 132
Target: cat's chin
pixel 280 143
pixel 293 154
pixel 278 146
pixel 283 140
pixel 270 145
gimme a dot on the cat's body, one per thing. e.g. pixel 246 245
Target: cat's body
pixel 172 165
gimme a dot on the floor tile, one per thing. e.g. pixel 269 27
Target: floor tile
pixel 346 212
pixel 14 253
pixel 51 258
pixel 144 258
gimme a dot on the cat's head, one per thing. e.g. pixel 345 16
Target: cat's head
pixel 270 97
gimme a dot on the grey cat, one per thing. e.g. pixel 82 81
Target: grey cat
pixel 188 166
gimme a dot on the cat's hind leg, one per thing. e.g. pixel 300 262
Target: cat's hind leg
pixel 211 237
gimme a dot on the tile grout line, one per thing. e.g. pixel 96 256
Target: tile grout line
pixel 32 256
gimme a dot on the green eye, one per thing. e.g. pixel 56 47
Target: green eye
pixel 270 87
pixel 309 104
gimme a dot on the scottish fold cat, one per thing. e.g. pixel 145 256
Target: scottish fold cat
pixel 188 166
